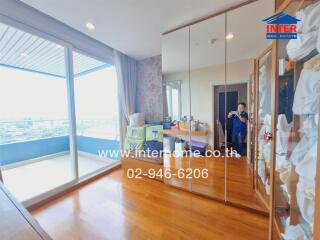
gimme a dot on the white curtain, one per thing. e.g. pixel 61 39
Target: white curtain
pixel 127 75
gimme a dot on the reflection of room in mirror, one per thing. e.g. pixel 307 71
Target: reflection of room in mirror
pixel 210 65
pixel 247 45
pixel 176 89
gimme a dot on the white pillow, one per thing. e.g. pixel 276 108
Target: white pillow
pixel 136 119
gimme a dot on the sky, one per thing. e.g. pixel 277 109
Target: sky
pixel 31 95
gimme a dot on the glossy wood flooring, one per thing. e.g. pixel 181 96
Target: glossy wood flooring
pixel 115 207
pixel 240 189
pixel 236 172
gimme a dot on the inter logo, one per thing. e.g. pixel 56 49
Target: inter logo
pixel 281 26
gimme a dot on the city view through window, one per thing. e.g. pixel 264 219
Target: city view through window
pixel 43 111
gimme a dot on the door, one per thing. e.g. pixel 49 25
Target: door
pixel 224 109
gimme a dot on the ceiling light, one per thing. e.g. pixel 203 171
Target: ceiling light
pixel 229 36
pixel 23 54
pixel 90 26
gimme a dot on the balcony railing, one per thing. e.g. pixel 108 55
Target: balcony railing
pixel 28 139
pixel 28 129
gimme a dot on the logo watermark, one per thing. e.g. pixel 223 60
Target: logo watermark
pixel 115 153
pixel 281 26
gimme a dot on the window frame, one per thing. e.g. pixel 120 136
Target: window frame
pixel 69 49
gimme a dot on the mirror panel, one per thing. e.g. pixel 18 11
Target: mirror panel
pixel 207 77
pixel 175 71
pixel 245 41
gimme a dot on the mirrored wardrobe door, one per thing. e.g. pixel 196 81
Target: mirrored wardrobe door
pixel 207 81
pixel 175 72
pixel 243 45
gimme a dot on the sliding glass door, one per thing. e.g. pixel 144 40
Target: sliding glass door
pixel 58 115
pixel 34 124
pixel 96 103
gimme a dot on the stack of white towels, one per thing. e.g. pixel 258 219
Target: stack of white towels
pixel 283 165
pixel 308 33
pixel 304 158
pixel 306 105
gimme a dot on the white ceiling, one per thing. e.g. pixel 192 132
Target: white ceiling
pixel 132 26
pixel 249 39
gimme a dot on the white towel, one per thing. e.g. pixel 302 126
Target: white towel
pixel 308 124
pixel 282 123
pixel 281 160
pixel 285 172
pixel 308 31
pixel 283 132
pixel 309 17
pixel 267 122
pixel 307 95
pixel 294 232
pixel 302 46
pixel 304 157
pixel 306 207
pixel 307 187
pixel 301 150
pixel 262 78
pixel 306 164
pixel 266 127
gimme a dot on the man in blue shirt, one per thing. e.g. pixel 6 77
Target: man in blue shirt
pixel 239 129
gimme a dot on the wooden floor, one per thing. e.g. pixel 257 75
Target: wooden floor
pixel 239 181
pixel 115 207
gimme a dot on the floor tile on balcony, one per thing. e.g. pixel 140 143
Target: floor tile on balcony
pixel 29 180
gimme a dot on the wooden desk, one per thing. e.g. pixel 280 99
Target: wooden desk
pixel 178 132
pixel 16 222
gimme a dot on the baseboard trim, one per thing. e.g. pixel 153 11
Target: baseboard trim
pixel 33 160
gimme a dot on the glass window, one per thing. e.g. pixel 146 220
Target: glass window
pixel 34 126
pixel 96 102
pixel 173 102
